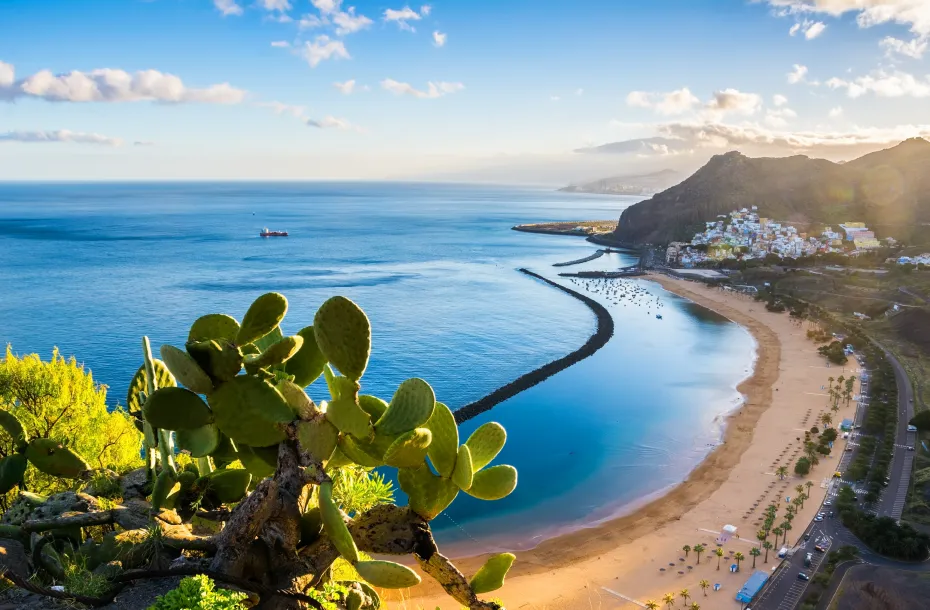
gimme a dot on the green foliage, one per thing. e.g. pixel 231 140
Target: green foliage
pixel 59 400
pixel 921 420
pixel 79 581
pixel 803 467
pixel 834 352
pixel 199 593
pixel 359 490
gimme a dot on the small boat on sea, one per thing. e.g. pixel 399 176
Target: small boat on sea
pixel 658 316
pixel 266 232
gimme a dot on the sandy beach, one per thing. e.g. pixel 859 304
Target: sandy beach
pixel 619 564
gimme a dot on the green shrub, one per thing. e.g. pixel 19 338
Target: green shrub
pixel 803 466
pixel 199 593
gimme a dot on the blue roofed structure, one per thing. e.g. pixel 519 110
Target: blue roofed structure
pixel 752 586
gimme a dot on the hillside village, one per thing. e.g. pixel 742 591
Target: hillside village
pixel 745 235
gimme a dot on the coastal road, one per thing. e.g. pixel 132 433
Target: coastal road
pixel 785 589
pixel 892 501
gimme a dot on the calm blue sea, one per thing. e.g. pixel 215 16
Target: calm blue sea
pixel 90 268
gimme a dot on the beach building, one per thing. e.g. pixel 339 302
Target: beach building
pixel 846 425
pixel 752 587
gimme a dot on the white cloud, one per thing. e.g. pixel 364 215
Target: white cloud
pixel 324 48
pixel 7 74
pixel 425 10
pixel 914 49
pixel 308 22
pixel 275 5
pixel 61 135
pixel 281 44
pixel 280 108
pixel 779 100
pixel 579 92
pixel 347 22
pixel 439 39
pixel 798 75
pixel 554 98
pixel 732 100
pixel 835 112
pixel 279 18
pixel 345 88
pixel 779 117
pixel 794 29
pixel 884 84
pixel 331 122
pixel 912 13
pixel 111 85
pixel 227 7
pixel 402 17
pixel 433 90
pixel 814 30
pixel 673 102
pixel 326 6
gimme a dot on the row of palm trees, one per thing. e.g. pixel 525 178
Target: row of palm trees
pixel 843 390
pixel 669 599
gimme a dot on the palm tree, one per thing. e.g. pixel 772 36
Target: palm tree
pixel 761 535
pixel 810 450
pixel 755 552
pixel 808 485
pixel 698 549
pixel 778 532
pixel 685 595
pixel 739 557
pixel 767 546
pixel 786 526
pixel 826 419
pixel 704 586
pixel 694 606
pixel 782 472
pixel 719 553
pixel 669 599
pixel 652 604
pixel 799 488
pixel 686 549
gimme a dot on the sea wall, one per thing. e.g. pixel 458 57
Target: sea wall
pixel 600 337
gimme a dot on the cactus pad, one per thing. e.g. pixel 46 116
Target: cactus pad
pixel 318 436
pixel 409 450
pixel 12 469
pixel 360 453
pixel 214 326
pixel 14 428
pixel 374 406
pixel 186 370
pixel 297 399
pixel 226 452
pixel 335 526
pixel 264 314
pixel 250 411
pixel 176 409
pixel 411 407
pixel 220 359
pixel 343 335
pixel 311 525
pixel 230 485
pixel 51 457
pixel 307 364
pixel 429 495
pixel 387 574
pixel 493 483
pixel 491 575
pixel 137 387
pixel 442 451
pixel 485 443
pixel 163 485
pixel 199 442
pixel 277 353
pixel 464 474
pixel 261 462
pixel 353 600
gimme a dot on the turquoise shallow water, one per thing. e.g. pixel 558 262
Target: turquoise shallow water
pixel 92 267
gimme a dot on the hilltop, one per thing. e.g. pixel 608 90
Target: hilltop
pixel 888 189
pixel 627 184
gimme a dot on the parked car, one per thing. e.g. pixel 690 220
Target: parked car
pixel 818 518
pixel 803 576
pixel 807 537
pixel 820 548
pixel 828 503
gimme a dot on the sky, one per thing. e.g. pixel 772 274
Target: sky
pixel 523 91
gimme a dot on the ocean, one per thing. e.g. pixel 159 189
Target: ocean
pixel 91 268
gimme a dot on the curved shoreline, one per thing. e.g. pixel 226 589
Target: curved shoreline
pixel 567 550
pixel 600 337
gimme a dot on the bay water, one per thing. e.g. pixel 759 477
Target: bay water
pixel 91 267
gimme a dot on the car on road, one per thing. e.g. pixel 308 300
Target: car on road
pixel 807 537
pixel 849 448
pixel 818 518
pixel 910 448
pixel 828 503
pixel 820 548
pixel 803 576
pixel 808 559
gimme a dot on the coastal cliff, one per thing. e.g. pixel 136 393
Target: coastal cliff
pixel 888 189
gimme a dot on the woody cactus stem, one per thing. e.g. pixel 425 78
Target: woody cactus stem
pixel 165 446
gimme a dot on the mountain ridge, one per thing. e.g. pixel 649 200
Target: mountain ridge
pixel 888 189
